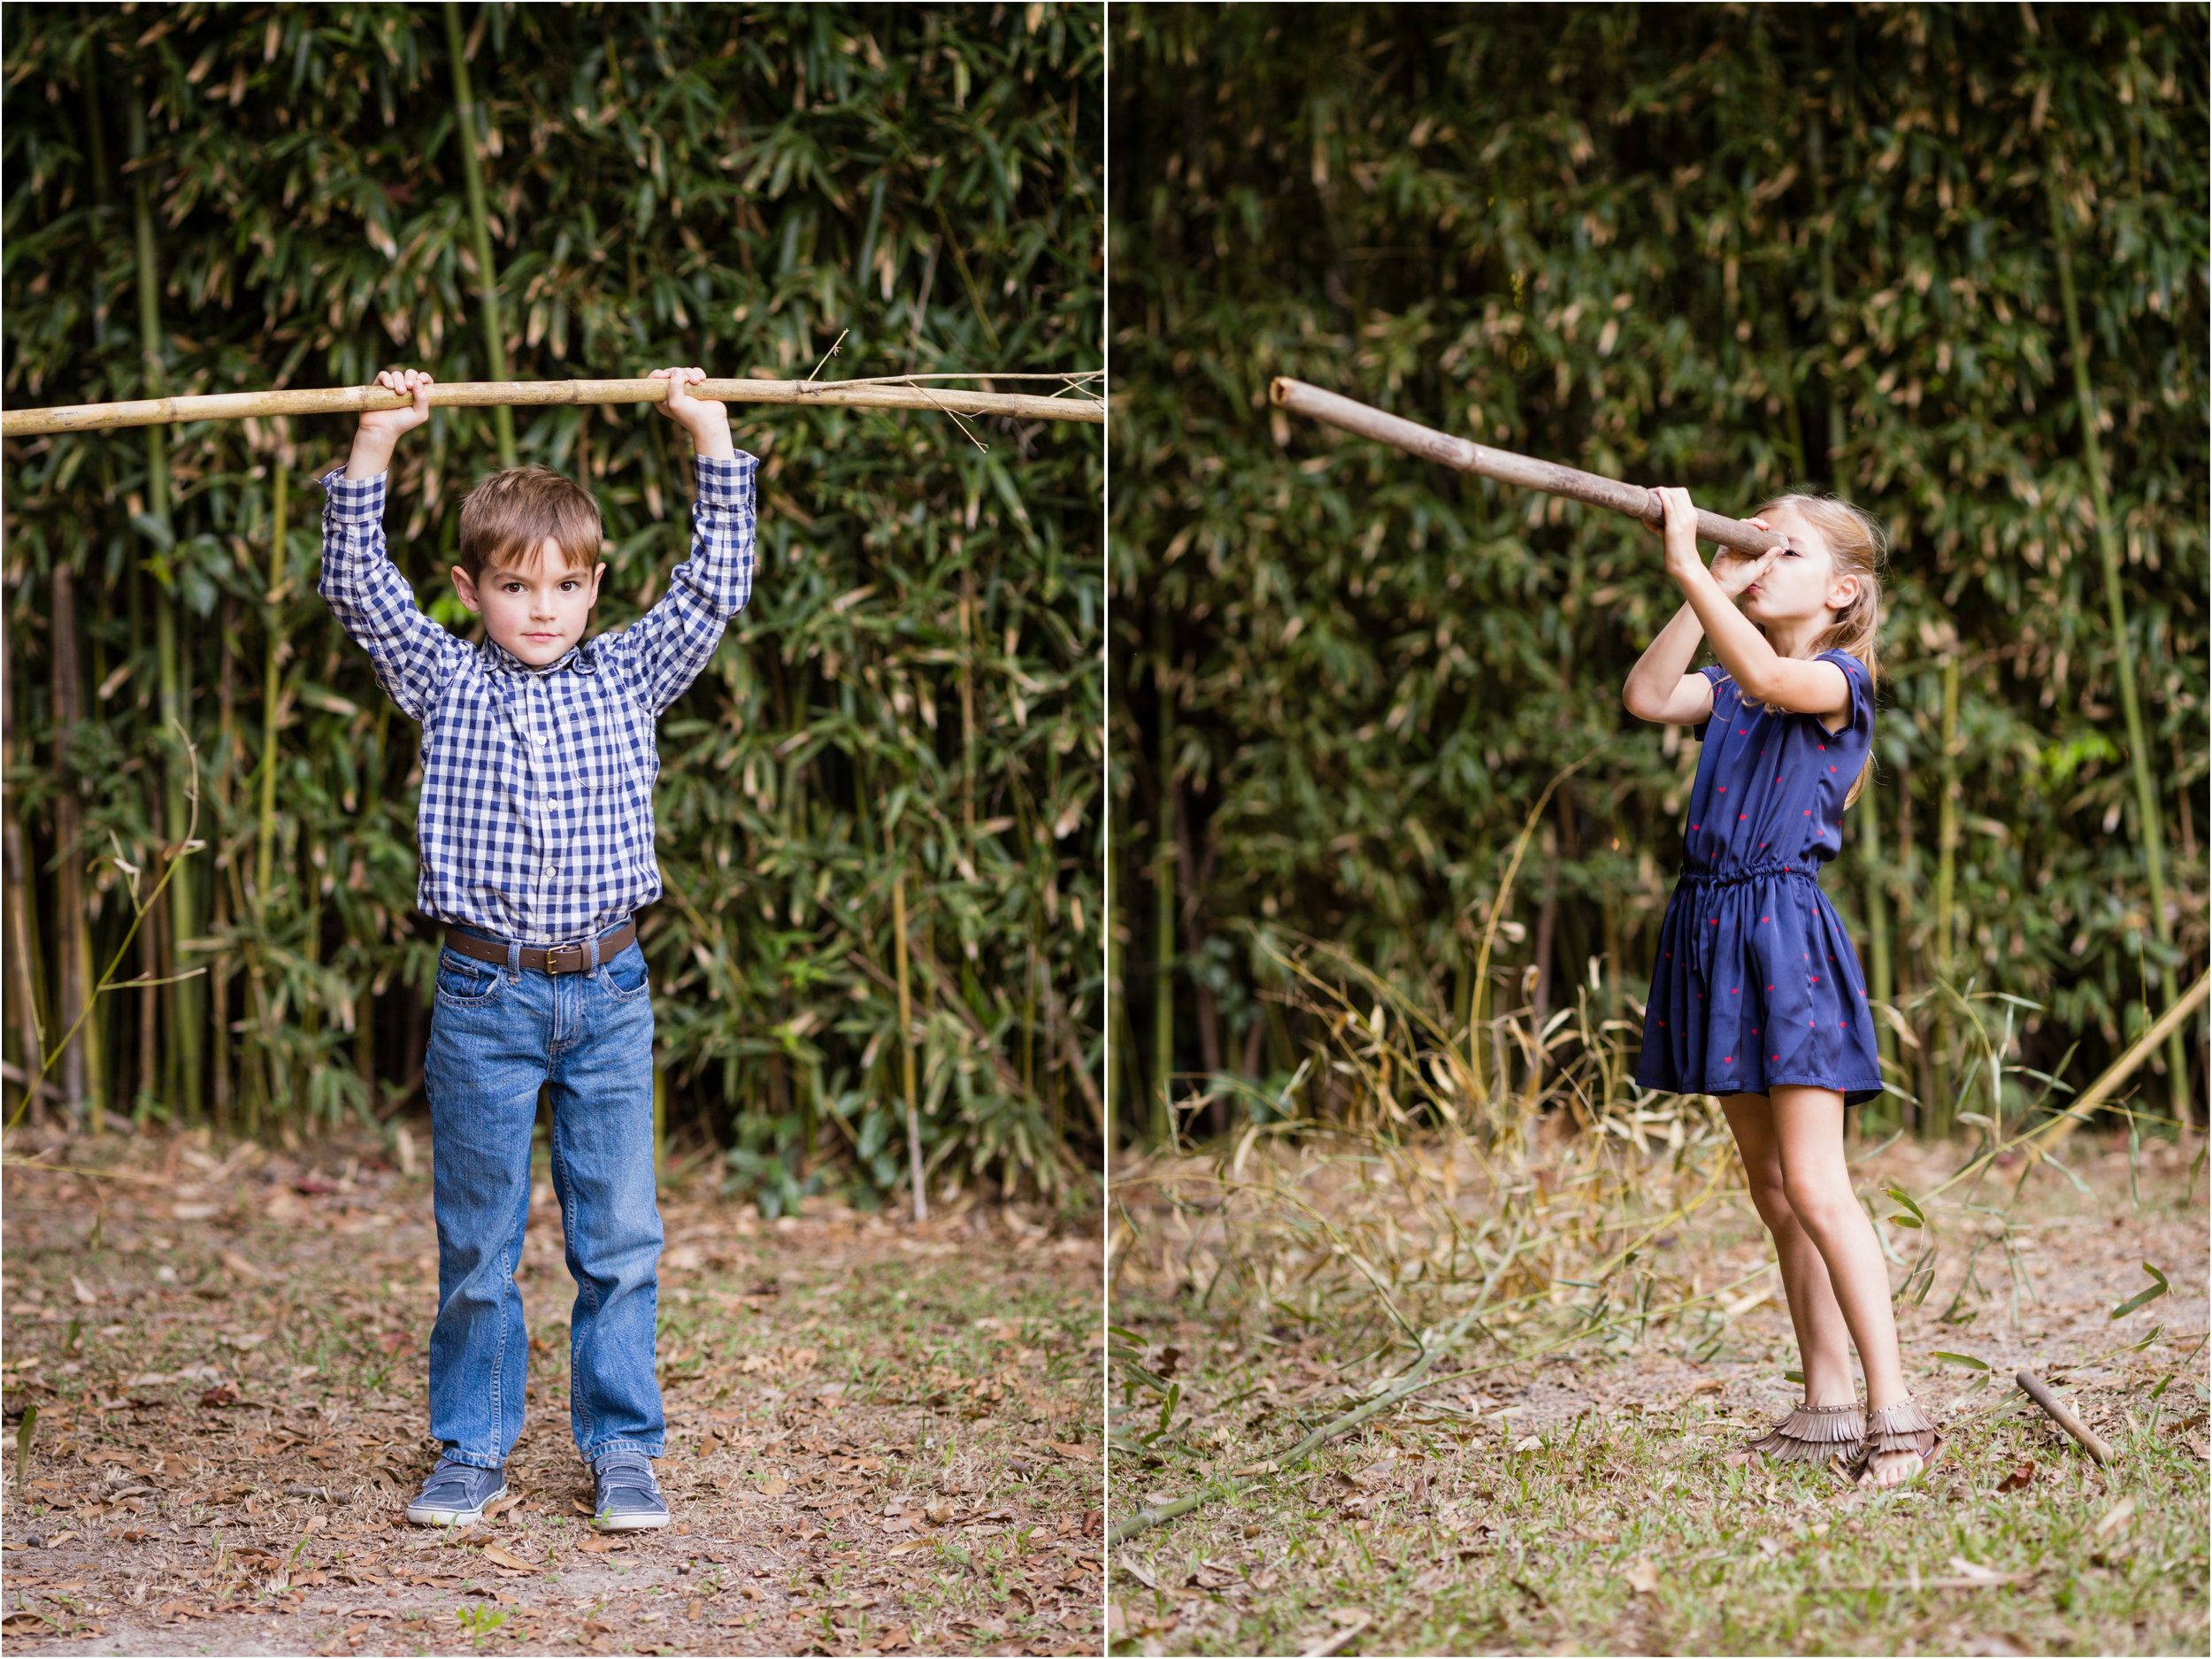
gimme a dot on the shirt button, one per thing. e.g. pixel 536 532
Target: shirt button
pixel 552 869
pixel 544 740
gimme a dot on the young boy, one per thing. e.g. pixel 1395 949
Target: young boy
pixel 536 832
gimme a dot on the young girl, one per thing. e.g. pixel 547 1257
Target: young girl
pixel 1756 995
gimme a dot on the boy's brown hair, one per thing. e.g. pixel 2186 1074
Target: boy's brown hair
pixel 507 518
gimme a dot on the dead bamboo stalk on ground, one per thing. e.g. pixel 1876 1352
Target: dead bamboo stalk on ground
pixel 347 400
pixel 1526 472
pixel 2125 1066
pixel 2060 1413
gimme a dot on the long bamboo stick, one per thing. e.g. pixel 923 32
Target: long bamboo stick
pixel 348 400
pixel 1298 398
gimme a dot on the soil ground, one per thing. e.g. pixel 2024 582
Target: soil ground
pixel 882 1437
pixel 1597 1503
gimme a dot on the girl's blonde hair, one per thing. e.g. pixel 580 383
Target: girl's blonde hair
pixel 1861 549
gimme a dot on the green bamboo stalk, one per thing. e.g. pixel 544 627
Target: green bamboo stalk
pixel 311 1009
pixel 1878 968
pixel 1163 905
pixel 272 1089
pixel 1937 1112
pixel 479 232
pixel 80 1062
pixel 906 1026
pixel 265 844
pixel 184 995
pixel 1117 990
pixel 2150 826
pixel 27 987
pixel 660 1119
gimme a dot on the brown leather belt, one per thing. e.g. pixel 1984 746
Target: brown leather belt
pixel 555 959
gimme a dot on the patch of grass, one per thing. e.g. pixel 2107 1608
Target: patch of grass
pixel 1599 1500
pixel 1458 1542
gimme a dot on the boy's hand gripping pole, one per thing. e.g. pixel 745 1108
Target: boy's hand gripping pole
pixel 1462 456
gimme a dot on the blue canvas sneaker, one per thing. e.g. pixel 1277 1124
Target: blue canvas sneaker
pixel 456 1494
pixel 627 1499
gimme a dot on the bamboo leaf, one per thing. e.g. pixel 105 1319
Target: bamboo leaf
pixel 2158 1288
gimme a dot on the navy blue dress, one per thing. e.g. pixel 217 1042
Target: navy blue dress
pixel 1756 983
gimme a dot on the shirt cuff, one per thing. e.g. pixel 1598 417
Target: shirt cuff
pixel 357 500
pixel 724 483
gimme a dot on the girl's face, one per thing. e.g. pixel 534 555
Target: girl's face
pixel 1802 586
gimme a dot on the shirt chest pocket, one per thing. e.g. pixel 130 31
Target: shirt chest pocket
pixel 603 762
pixel 606 758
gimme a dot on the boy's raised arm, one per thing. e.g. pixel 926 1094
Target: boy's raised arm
pixel 414 657
pixel 670 644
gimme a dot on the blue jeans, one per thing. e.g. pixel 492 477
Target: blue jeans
pixel 497 1033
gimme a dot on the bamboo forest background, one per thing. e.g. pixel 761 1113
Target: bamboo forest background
pixel 907 714
pixel 1738 249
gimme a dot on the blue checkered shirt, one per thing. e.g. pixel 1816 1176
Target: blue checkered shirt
pixel 537 817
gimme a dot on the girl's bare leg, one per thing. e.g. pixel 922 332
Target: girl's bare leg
pixel 1823 1338
pixel 1808 1132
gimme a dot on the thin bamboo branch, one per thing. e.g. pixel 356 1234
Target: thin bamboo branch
pixel 348 400
pixel 171 862
pixel 1523 471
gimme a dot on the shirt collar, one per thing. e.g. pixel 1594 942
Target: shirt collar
pixel 579 656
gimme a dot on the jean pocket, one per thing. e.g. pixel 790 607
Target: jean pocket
pixel 624 974
pixel 466 981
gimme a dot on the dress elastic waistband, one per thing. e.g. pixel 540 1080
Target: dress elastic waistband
pixel 1748 873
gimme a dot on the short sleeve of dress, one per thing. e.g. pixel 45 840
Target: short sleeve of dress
pixel 1714 673
pixel 1859 731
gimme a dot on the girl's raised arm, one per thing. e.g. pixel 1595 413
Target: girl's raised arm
pixel 1660 687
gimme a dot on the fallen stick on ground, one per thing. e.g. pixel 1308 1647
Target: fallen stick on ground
pixel 1298 398
pixel 347 400
pixel 2062 1414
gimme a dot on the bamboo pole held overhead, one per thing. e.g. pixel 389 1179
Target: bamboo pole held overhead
pixel 1462 456
pixel 349 400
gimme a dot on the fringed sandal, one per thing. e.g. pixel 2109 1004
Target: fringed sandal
pixel 1902 1427
pixel 1811 1434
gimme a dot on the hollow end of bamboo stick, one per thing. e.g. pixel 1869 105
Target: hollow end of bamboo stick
pixel 1278 391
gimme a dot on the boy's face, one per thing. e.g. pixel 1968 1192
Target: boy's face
pixel 535 611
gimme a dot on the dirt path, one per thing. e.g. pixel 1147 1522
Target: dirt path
pixel 882 1438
